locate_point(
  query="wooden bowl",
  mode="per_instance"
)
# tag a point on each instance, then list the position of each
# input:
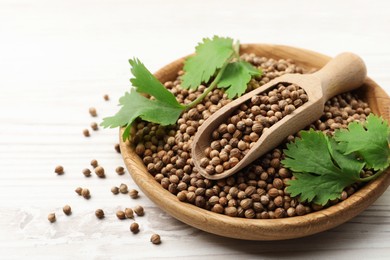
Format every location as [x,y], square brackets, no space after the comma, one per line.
[264,229]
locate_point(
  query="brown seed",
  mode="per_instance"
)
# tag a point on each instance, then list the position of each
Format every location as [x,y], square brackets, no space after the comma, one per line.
[86,194]
[115,190]
[94,163]
[78,190]
[92,111]
[106,97]
[59,170]
[86,133]
[231,211]
[52,217]
[99,170]
[67,210]
[117,148]
[87,172]
[123,188]
[134,227]
[120,170]
[120,215]
[94,126]
[129,213]
[155,239]
[182,196]
[99,213]
[133,194]
[139,210]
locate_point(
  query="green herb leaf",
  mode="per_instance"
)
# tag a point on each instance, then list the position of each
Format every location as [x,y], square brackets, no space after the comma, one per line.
[209,56]
[369,141]
[236,77]
[146,82]
[135,105]
[321,171]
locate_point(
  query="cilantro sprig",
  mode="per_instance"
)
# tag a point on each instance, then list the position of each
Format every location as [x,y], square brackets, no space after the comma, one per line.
[323,166]
[216,60]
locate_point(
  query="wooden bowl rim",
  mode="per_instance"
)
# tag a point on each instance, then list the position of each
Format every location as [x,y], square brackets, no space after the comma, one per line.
[255,229]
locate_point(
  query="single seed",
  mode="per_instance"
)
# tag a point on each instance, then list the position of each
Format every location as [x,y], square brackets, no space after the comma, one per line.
[117,148]
[78,190]
[86,133]
[129,213]
[133,194]
[120,170]
[134,227]
[155,239]
[139,210]
[94,163]
[59,170]
[115,190]
[86,194]
[67,210]
[120,215]
[52,217]
[99,213]
[94,126]
[87,172]
[106,97]
[92,111]
[123,188]
[99,170]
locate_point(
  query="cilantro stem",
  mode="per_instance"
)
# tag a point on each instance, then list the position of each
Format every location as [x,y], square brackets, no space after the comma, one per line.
[372,177]
[212,86]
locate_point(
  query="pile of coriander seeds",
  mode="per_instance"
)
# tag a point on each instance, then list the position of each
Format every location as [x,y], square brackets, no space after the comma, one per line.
[257,191]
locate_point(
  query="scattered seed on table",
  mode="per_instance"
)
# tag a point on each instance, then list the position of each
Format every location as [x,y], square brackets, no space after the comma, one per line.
[99,213]
[67,210]
[59,170]
[139,210]
[94,163]
[92,111]
[87,172]
[78,190]
[120,170]
[120,214]
[99,170]
[86,133]
[117,148]
[52,217]
[94,126]
[133,194]
[86,194]
[129,213]
[115,190]
[134,227]
[106,97]
[123,188]
[155,239]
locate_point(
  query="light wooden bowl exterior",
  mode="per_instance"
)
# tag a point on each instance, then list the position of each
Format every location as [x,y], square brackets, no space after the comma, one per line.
[264,229]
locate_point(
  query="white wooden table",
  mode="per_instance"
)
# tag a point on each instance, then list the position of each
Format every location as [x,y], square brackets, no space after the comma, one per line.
[58,58]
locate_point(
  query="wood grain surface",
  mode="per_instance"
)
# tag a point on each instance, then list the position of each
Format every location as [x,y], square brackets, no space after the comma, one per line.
[58,58]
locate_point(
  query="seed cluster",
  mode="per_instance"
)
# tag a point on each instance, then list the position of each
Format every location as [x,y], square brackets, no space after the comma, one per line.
[234,138]
[259,190]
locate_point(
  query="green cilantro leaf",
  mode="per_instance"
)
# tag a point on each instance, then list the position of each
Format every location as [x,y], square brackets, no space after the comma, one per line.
[145,82]
[321,171]
[209,56]
[369,141]
[135,105]
[236,77]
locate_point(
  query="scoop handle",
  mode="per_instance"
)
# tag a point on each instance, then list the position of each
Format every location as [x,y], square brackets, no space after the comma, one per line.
[345,72]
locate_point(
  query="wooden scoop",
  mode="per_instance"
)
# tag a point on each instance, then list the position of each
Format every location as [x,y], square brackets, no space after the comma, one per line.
[345,72]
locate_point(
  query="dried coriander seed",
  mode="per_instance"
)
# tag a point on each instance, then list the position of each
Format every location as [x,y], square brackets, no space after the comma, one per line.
[94,163]
[59,170]
[78,190]
[106,97]
[99,170]
[134,227]
[115,190]
[155,239]
[52,217]
[120,215]
[85,193]
[87,172]
[92,111]
[86,133]
[94,126]
[67,210]
[123,188]
[139,210]
[99,213]
[129,213]
[117,148]
[133,193]
[120,170]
